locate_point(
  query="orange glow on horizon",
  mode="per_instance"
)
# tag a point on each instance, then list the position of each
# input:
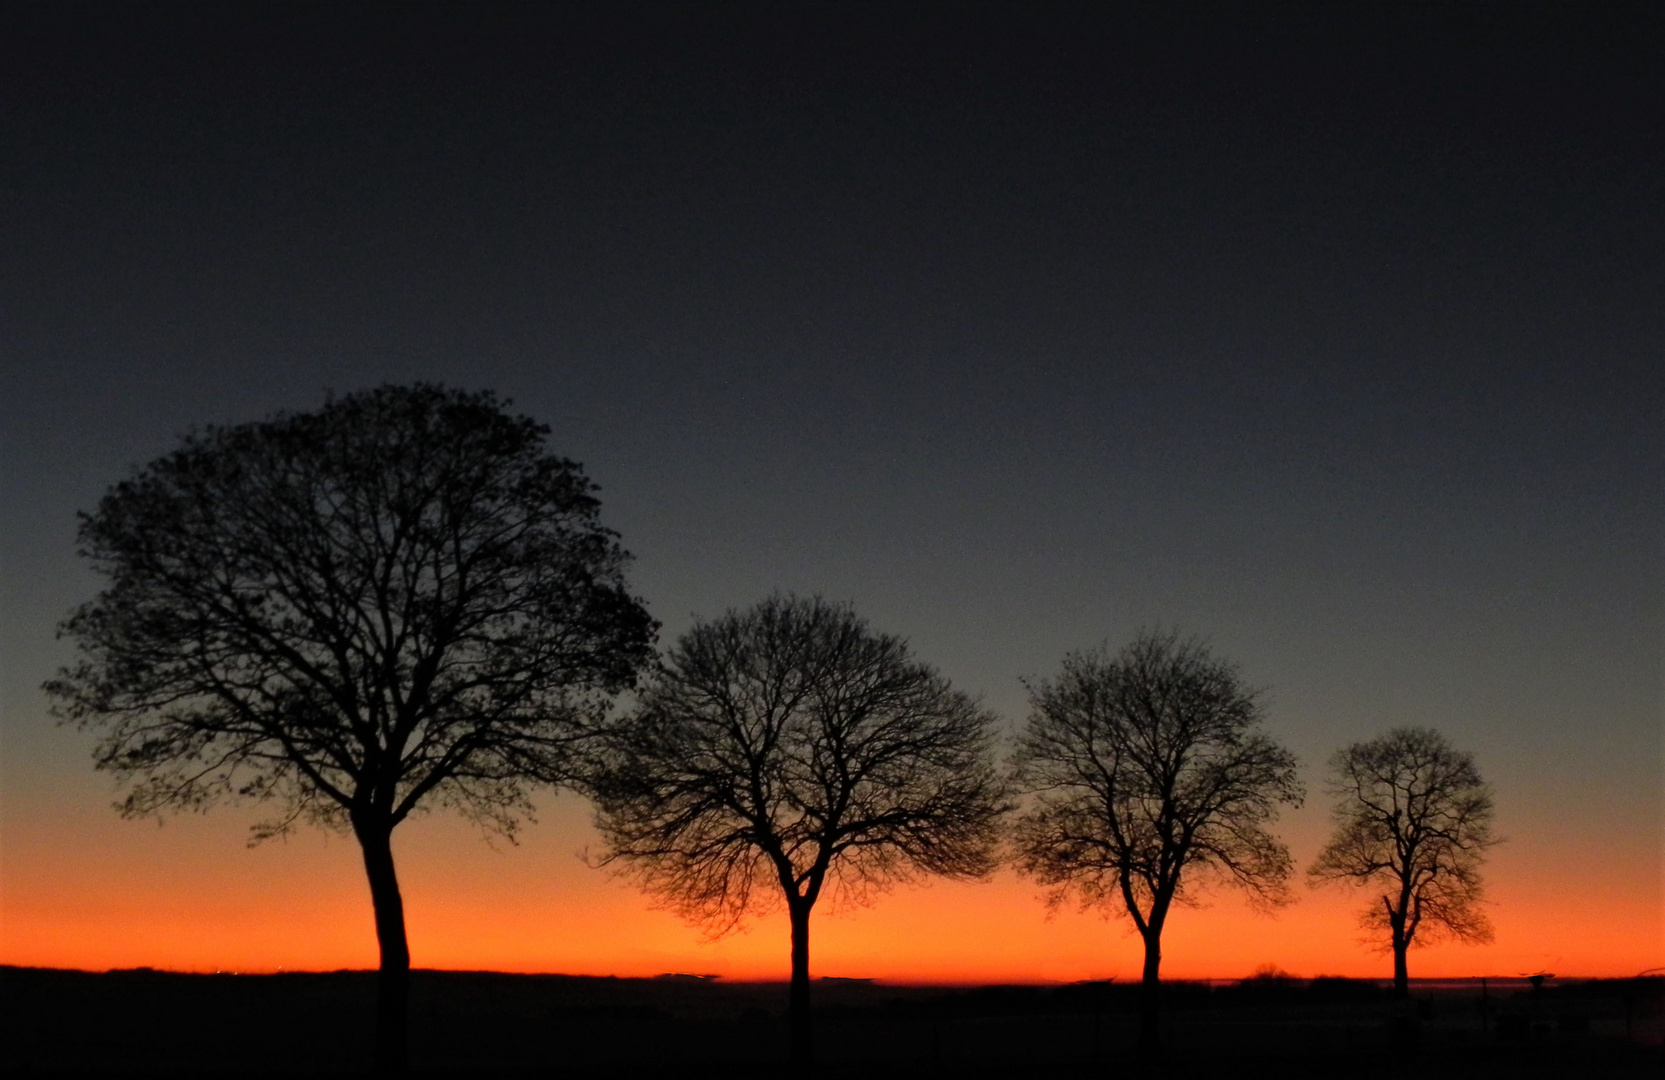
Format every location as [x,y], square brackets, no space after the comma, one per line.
[190,896]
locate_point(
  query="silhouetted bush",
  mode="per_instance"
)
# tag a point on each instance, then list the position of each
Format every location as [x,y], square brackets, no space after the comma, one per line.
[1268,983]
[1341,988]
[1104,995]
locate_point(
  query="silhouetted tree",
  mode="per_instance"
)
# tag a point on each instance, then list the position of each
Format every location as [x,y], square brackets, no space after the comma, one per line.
[1413,817]
[786,748]
[1146,770]
[400,599]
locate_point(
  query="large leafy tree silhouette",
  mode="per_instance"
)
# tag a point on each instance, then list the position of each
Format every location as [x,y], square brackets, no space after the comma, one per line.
[400,600]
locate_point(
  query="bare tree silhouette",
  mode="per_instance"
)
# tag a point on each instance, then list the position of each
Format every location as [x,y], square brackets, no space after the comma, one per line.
[398,600]
[787,748]
[1413,817]
[1147,771]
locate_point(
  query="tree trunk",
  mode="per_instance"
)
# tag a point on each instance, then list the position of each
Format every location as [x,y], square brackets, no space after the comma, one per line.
[1150,990]
[1401,926]
[802,1021]
[393,978]
[1401,973]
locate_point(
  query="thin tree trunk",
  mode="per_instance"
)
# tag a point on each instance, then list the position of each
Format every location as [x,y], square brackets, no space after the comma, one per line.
[393,978]
[1401,927]
[1150,990]
[802,1020]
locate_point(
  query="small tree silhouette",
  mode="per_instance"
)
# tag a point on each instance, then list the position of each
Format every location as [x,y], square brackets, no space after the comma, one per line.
[401,599]
[1413,817]
[787,748]
[1147,771]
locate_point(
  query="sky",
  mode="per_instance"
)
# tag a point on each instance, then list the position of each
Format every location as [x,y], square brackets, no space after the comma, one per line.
[1330,335]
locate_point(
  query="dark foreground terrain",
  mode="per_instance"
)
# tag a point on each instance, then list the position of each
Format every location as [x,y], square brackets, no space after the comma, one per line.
[64,1022]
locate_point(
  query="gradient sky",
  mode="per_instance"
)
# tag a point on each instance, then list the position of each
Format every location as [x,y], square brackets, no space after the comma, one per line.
[1334,338]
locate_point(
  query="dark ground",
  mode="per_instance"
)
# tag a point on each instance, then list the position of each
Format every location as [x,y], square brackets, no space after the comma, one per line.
[62,1022]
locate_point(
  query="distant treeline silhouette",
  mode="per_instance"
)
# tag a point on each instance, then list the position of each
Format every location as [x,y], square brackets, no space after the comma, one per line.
[404,599]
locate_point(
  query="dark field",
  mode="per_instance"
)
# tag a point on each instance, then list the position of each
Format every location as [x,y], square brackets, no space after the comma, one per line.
[58,1022]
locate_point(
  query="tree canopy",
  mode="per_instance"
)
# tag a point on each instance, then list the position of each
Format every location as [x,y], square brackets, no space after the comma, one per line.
[787,748]
[1147,773]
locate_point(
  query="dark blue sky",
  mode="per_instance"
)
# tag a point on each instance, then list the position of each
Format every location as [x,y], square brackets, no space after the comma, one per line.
[1330,333]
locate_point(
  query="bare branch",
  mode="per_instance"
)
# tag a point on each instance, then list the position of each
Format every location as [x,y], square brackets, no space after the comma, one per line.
[397,597]
[1412,816]
[791,742]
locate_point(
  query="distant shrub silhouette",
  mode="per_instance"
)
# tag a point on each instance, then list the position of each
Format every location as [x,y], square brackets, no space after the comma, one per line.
[1341,988]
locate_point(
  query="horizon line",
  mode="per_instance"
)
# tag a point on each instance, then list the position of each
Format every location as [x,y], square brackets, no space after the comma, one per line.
[871,981]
